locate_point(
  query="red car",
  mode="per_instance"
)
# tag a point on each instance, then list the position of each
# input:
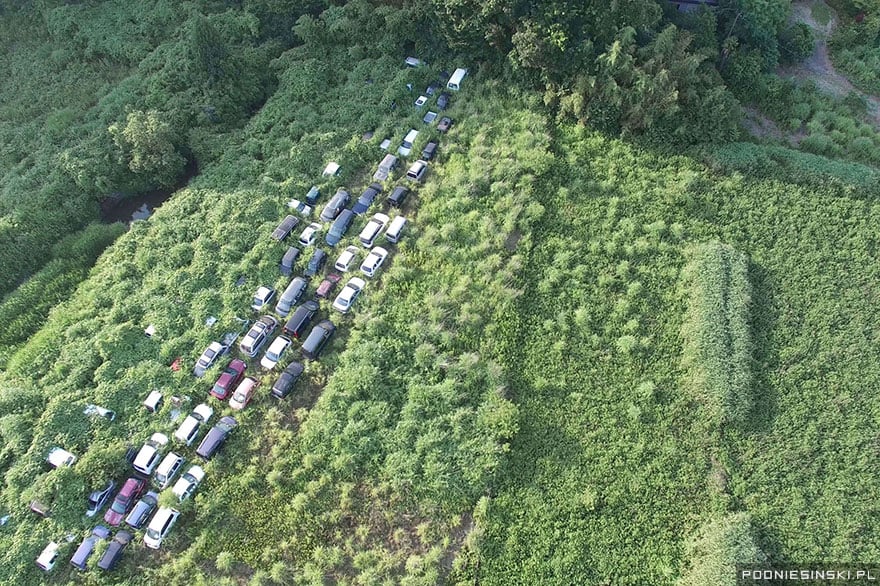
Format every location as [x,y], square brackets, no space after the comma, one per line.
[126,497]
[327,285]
[230,377]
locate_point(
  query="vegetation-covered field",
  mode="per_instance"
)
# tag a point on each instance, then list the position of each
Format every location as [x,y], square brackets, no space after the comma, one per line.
[589,360]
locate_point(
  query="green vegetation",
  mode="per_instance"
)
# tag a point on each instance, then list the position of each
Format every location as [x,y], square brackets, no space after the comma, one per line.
[717,548]
[515,397]
[854,45]
[22,312]
[717,354]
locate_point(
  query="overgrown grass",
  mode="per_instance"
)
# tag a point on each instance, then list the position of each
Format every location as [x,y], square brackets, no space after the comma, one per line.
[613,468]
[717,355]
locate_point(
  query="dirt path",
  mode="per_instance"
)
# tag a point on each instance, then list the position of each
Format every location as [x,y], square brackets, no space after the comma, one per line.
[818,67]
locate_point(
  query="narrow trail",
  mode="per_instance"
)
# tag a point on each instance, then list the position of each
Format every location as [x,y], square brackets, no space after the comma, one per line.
[818,67]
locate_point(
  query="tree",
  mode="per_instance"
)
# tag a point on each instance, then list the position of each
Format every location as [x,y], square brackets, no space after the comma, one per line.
[207,51]
[147,143]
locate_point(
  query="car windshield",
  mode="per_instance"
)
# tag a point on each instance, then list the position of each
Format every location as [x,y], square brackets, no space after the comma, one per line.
[120,504]
[239,397]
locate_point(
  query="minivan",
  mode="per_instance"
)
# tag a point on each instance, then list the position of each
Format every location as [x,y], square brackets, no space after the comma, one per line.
[85,549]
[189,429]
[429,151]
[339,227]
[142,509]
[288,260]
[215,438]
[395,229]
[408,141]
[150,453]
[114,550]
[167,470]
[417,171]
[388,164]
[317,339]
[300,319]
[454,82]
[372,229]
[398,196]
[290,296]
[335,205]
[159,527]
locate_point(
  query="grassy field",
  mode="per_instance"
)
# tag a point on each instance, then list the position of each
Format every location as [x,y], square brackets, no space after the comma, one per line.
[511,400]
[615,464]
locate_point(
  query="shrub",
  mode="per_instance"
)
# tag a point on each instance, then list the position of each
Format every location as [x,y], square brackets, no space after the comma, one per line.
[716,331]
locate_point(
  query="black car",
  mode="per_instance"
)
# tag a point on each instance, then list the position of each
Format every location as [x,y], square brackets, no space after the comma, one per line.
[429,151]
[287,380]
[339,227]
[317,339]
[319,257]
[114,550]
[300,319]
[443,101]
[432,89]
[284,228]
[288,260]
[335,205]
[216,437]
[398,196]
[142,510]
[366,199]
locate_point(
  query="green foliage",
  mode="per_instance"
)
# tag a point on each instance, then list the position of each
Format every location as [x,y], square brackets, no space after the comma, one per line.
[855,51]
[504,399]
[23,311]
[716,549]
[148,145]
[796,43]
[717,355]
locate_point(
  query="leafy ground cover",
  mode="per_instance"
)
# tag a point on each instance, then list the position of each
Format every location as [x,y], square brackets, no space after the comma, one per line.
[506,404]
[614,465]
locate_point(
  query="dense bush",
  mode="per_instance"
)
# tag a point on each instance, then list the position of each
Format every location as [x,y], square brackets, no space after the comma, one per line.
[717,355]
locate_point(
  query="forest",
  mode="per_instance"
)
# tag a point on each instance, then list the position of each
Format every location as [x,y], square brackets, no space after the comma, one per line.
[625,338]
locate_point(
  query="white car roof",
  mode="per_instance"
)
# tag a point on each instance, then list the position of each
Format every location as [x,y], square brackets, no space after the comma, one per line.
[47,554]
[60,456]
[205,410]
[196,472]
[380,218]
[159,438]
[262,293]
[278,343]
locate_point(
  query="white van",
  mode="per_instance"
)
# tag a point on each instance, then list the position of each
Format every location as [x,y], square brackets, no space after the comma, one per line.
[394,230]
[167,470]
[159,527]
[454,82]
[372,229]
[408,141]
[388,164]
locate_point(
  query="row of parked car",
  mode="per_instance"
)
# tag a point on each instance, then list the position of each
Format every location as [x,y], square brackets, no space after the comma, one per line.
[134,503]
